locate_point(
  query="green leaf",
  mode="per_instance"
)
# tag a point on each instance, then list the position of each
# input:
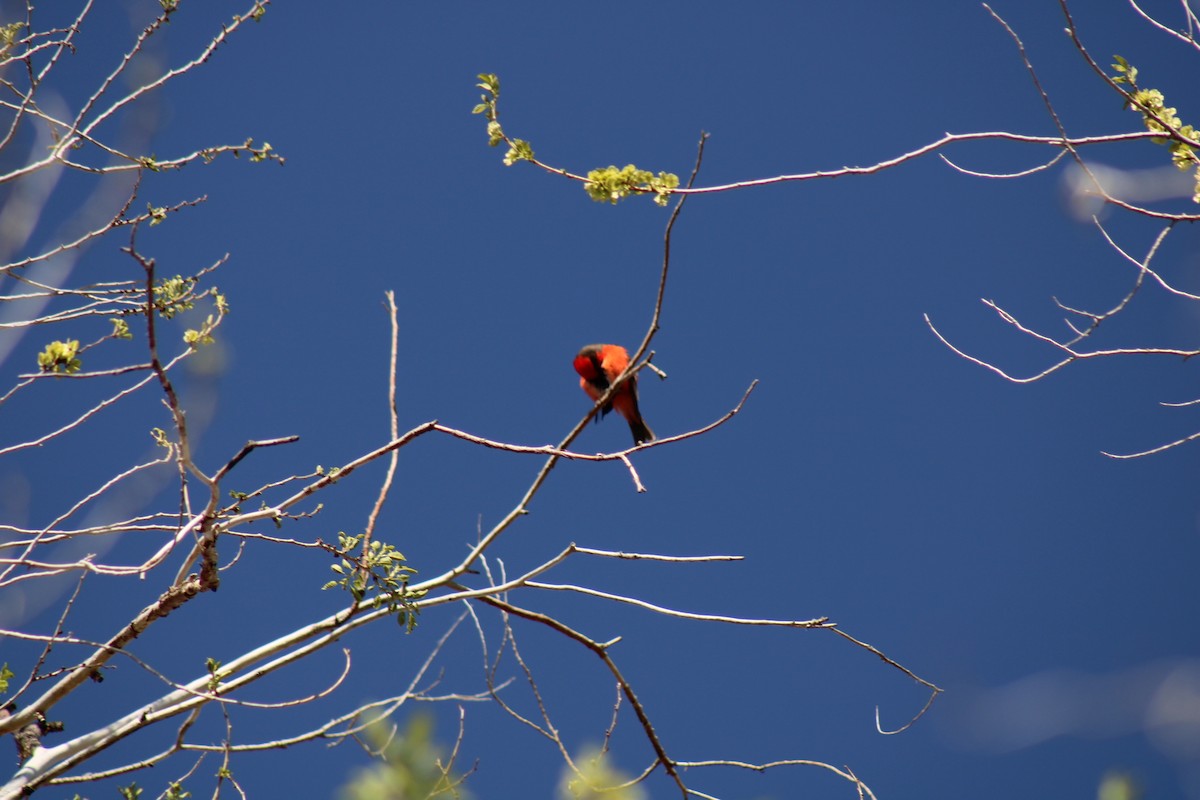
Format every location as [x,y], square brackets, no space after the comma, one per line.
[489,82]
[120,329]
[1127,74]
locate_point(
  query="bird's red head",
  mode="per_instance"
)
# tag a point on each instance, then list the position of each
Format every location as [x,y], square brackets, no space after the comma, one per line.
[588,363]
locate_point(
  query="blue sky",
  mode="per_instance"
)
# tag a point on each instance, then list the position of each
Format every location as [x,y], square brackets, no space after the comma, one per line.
[968,527]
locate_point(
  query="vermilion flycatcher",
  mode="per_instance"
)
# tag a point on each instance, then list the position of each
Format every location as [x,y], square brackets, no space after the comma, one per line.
[599,365]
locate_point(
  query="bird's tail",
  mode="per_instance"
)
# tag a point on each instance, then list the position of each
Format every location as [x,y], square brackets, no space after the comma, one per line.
[641,431]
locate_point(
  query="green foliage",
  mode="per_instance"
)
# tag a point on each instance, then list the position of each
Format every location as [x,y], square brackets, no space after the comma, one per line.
[1118,786]
[6,675]
[607,185]
[382,567]
[195,338]
[238,498]
[130,792]
[1182,140]
[9,35]
[597,780]
[491,93]
[265,152]
[495,134]
[175,791]
[120,329]
[257,154]
[412,768]
[612,184]
[1125,72]
[157,214]
[518,149]
[173,295]
[60,357]
[214,673]
[160,437]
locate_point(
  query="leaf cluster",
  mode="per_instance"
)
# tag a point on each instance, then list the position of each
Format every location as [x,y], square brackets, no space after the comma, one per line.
[173,295]
[597,779]
[60,357]
[518,149]
[611,184]
[607,185]
[411,764]
[195,337]
[383,567]
[9,35]
[1182,140]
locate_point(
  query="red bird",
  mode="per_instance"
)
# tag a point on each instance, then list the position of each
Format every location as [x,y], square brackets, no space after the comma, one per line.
[598,366]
